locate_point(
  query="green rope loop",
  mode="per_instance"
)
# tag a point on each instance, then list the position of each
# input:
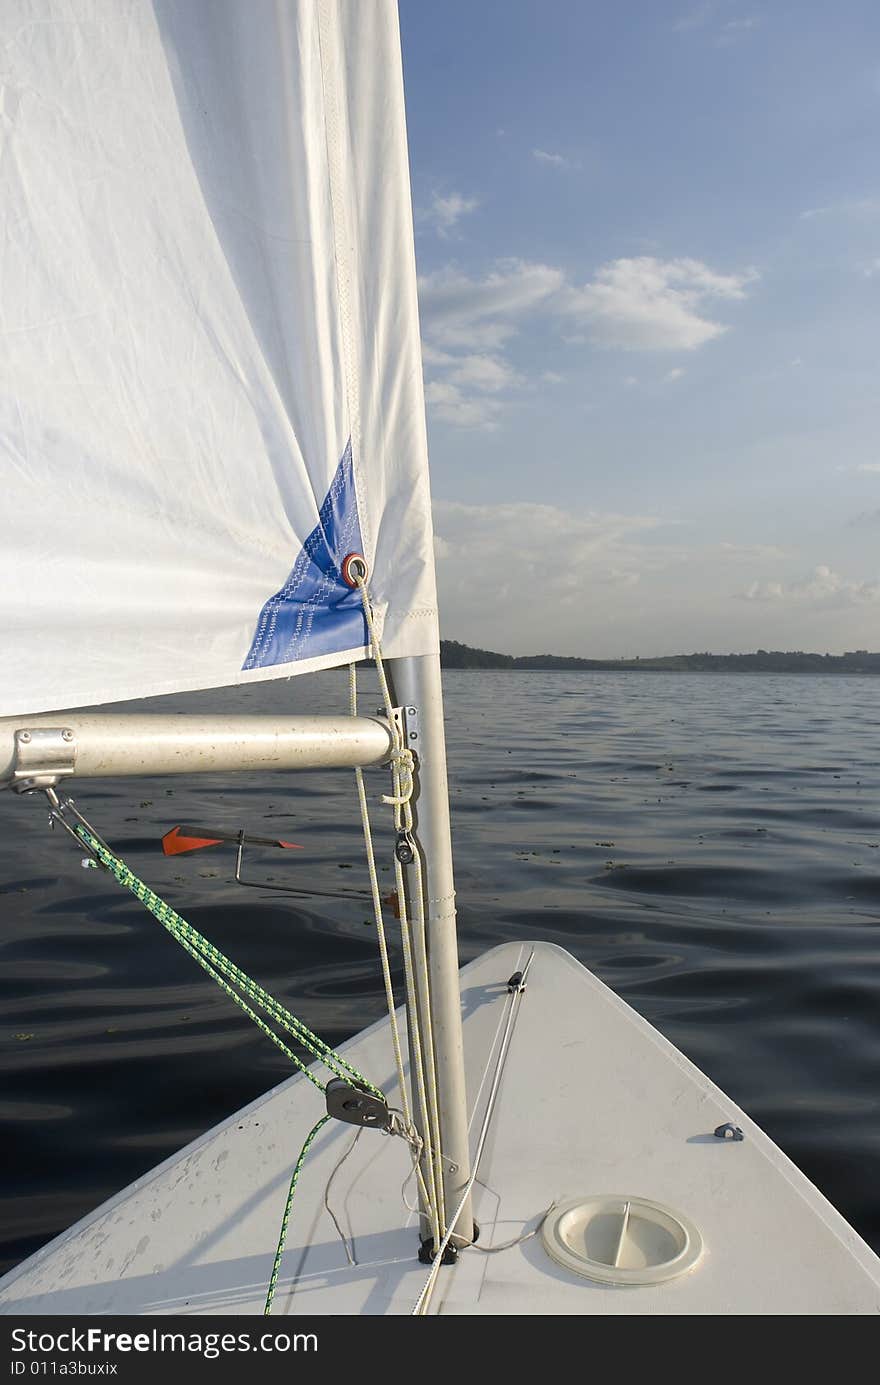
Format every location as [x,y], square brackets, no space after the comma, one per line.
[223,971]
[276,1266]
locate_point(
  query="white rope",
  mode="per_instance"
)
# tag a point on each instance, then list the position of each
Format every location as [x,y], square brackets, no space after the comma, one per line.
[377,910]
[417,1147]
[416,974]
[422,1302]
[349,1254]
[428,1194]
[402,769]
[516,1240]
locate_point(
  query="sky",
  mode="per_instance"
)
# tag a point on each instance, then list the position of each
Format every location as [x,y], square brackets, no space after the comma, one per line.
[648,244]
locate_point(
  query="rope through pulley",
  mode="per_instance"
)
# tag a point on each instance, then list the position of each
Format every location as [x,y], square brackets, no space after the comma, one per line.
[241,989]
[413,931]
[356,1098]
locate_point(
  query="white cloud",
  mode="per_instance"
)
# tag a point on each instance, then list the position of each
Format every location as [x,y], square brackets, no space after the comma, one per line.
[646,304]
[723,34]
[549,578]
[822,587]
[485,373]
[433,356]
[457,392]
[445,213]
[537,554]
[458,311]
[862,206]
[449,403]
[634,304]
[696,18]
[465,323]
[736,29]
[546,578]
[871,468]
[761,552]
[556,160]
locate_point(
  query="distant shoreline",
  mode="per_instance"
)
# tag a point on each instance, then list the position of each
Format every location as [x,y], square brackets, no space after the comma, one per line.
[454,655]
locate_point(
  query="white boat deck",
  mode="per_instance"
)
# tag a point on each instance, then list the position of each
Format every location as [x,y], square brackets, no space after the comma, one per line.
[592,1101]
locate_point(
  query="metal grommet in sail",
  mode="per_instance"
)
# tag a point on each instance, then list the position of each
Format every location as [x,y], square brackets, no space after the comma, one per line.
[354,567]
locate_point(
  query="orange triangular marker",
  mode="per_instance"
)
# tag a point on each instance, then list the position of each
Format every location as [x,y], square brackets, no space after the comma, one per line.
[174,842]
[181,839]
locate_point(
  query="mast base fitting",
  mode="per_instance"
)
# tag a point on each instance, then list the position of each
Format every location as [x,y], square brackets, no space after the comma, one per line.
[426,1253]
[353,1105]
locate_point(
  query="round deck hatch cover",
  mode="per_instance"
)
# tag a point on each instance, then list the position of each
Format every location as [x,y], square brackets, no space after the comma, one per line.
[621,1240]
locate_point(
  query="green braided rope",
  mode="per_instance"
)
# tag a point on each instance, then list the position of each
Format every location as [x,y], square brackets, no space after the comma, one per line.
[276,1266]
[222,971]
[217,965]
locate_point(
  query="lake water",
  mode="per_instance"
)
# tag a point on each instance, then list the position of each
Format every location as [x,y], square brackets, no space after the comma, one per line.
[709,845]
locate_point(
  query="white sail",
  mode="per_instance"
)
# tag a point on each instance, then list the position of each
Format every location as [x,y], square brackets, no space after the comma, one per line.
[210,375]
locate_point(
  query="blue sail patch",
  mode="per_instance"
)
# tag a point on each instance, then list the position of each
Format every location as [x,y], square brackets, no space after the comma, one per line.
[316,612]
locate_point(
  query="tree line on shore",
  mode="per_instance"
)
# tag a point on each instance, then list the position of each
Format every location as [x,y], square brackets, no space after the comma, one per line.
[456,655]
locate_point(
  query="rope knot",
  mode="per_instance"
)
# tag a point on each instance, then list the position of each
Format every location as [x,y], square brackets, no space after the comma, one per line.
[403,766]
